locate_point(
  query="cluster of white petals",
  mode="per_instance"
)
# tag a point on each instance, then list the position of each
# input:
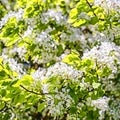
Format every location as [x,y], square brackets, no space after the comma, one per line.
[52,15]
[101,103]
[48,44]
[14,65]
[105,54]
[60,69]
[110,4]
[11,14]
[28,32]
[21,51]
[74,34]
[65,101]
[64,71]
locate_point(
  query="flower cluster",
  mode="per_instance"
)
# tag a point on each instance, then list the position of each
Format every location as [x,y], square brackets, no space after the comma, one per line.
[42,82]
[48,44]
[106,54]
[14,66]
[65,101]
[20,51]
[28,32]
[52,15]
[60,69]
[108,4]
[11,14]
[102,104]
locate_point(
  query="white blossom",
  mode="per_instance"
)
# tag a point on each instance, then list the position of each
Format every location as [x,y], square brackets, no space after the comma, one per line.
[65,101]
[64,70]
[28,32]
[39,74]
[20,50]
[101,103]
[14,66]
[51,14]
[60,69]
[105,54]
[74,34]
[108,4]
[11,14]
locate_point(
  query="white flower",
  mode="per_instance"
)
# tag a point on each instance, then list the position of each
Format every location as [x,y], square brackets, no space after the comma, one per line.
[63,70]
[28,32]
[11,14]
[60,69]
[101,103]
[20,50]
[39,74]
[14,66]
[45,88]
[108,4]
[51,14]
[105,54]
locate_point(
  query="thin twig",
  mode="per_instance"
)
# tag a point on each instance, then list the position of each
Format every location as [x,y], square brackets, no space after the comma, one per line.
[30,91]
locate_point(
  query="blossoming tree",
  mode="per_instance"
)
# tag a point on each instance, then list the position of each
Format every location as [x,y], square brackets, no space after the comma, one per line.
[59,60]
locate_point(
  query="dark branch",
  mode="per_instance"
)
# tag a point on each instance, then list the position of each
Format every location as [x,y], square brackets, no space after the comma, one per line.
[31,91]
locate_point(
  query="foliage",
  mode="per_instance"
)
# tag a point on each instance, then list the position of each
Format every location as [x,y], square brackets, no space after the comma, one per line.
[60,59]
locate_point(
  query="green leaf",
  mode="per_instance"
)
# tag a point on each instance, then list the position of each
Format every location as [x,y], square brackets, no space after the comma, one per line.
[104,72]
[73,13]
[41,107]
[12,41]
[80,23]
[94,20]
[2,105]
[29,9]
[72,59]
[3,92]
[2,73]
[60,50]
[96,85]
[19,99]
[1,60]
[26,80]
[73,110]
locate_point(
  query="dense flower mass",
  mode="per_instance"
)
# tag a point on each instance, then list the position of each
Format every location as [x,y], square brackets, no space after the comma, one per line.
[60,60]
[105,54]
[110,4]
[52,15]
[11,14]
[101,103]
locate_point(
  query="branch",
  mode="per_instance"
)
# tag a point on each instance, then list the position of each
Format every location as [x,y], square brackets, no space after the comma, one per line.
[31,91]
